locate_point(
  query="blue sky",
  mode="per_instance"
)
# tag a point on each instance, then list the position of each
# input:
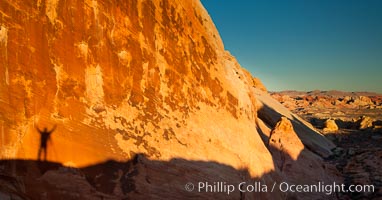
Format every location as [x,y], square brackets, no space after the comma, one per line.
[304,44]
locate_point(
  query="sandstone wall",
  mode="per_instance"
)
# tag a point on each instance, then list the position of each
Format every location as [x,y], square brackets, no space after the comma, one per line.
[121,78]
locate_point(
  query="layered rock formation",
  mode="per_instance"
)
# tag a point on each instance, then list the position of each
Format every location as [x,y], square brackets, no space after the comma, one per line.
[295,100]
[121,78]
[350,110]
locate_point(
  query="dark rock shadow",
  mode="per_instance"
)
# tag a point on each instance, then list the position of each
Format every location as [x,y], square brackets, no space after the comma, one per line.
[142,178]
[346,124]
[138,178]
[377,123]
[358,158]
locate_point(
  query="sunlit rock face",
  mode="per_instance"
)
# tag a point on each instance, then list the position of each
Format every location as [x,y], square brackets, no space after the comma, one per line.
[121,78]
[135,75]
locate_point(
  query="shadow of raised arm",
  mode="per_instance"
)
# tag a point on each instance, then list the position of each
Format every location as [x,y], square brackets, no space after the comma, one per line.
[39,130]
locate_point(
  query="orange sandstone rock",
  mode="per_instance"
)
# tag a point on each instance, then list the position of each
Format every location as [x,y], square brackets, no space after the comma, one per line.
[121,78]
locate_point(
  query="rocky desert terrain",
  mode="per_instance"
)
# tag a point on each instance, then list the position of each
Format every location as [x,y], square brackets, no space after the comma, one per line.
[353,121]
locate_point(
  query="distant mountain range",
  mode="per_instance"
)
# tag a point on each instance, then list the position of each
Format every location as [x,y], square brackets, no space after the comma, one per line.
[334,93]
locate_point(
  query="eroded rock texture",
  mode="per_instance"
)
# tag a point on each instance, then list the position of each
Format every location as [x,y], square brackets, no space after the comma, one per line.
[121,78]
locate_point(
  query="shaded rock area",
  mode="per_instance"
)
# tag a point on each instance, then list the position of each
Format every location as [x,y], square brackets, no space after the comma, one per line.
[353,122]
[358,158]
[137,179]
[134,179]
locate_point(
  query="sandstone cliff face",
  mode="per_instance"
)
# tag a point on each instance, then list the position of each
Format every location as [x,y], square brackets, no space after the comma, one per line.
[140,70]
[121,78]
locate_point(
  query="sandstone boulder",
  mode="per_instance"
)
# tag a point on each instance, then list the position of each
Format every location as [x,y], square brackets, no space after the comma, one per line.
[330,126]
[292,159]
[365,122]
[284,139]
